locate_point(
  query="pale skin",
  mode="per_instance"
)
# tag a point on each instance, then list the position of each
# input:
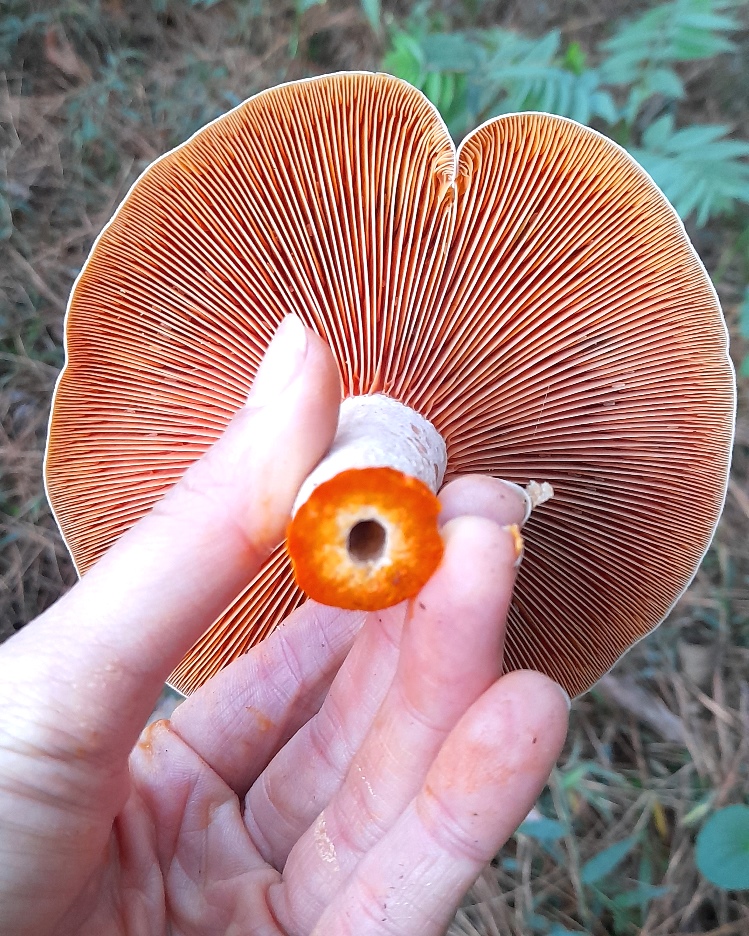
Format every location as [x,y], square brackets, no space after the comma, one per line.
[352,775]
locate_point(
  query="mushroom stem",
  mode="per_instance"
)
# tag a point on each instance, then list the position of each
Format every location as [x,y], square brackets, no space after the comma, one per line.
[364,532]
[376,431]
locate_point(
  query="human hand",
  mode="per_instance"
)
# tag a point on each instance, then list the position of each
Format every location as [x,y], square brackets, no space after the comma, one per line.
[352,774]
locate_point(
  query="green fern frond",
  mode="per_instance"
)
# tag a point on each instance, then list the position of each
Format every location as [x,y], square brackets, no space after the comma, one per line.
[445,88]
[699,170]
[744,315]
[680,31]
[477,74]
[531,76]
[405,59]
[497,72]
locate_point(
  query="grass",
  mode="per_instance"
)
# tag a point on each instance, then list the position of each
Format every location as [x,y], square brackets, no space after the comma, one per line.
[90,93]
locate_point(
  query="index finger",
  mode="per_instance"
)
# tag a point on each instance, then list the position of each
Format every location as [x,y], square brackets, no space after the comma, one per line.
[118,634]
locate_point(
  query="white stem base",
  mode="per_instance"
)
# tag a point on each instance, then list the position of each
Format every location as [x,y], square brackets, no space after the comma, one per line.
[376,431]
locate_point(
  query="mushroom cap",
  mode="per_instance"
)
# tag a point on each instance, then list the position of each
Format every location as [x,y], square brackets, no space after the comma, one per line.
[535,297]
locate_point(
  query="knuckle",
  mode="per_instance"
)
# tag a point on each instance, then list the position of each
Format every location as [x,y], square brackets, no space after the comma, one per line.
[449,832]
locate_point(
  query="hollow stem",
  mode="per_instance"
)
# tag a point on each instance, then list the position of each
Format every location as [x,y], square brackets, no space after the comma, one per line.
[364,533]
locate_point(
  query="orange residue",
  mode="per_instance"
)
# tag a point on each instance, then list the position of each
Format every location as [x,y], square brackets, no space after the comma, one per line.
[517,539]
[145,742]
[261,719]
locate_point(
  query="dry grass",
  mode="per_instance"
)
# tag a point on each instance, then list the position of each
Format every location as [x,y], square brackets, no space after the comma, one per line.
[87,99]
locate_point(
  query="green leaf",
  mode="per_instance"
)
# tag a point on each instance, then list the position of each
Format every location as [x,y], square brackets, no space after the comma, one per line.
[452,52]
[664,81]
[543,829]
[659,133]
[744,315]
[524,74]
[602,105]
[683,30]
[709,22]
[572,779]
[373,12]
[405,59]
[722,852]
[433,64]
[640,896]
[606,861]
[697,168]
[574,58]
[434,88]
[13,28]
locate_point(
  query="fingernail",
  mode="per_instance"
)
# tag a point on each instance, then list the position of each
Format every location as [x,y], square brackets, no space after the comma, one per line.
[565,695]
[517,542]
[282,362]
[523,496]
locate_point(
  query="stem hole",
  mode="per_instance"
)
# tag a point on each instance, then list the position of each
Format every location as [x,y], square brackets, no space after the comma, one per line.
[366,541]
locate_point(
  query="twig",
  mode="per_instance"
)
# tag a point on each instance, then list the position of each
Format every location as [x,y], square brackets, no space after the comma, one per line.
[28,269]
[741,498]
[646,707]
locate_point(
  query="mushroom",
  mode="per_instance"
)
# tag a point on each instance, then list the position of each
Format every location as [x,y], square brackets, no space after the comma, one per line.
[530,308]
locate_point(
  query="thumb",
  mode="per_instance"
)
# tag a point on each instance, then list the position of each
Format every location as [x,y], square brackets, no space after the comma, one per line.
[118,634]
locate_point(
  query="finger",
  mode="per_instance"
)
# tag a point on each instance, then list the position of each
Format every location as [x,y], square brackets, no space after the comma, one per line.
[318,757]
[180,840]
[485,779]
[181,795]
[451,653]
[481,496]
[241,717]
[261,691]
[119,632]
